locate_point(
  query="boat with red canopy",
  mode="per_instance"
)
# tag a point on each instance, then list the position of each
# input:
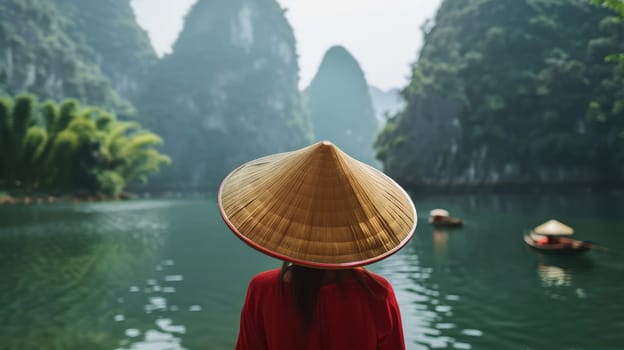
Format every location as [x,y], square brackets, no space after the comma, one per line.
[549,237]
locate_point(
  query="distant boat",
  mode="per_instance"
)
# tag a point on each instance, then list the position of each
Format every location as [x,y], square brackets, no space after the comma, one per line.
[441,217]
[547,237]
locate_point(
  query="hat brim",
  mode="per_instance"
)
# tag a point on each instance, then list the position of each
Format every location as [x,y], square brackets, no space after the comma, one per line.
[396,215]
[308,263]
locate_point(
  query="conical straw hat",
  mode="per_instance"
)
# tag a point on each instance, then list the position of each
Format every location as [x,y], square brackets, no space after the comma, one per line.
[553,228]
[317,207]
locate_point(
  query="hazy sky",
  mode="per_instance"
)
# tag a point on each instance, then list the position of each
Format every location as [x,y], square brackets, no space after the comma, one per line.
[383,35]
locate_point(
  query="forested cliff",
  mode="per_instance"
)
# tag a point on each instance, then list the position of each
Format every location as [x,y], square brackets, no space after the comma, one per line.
[120,47]
[228,92]
[512,91]
[68,48]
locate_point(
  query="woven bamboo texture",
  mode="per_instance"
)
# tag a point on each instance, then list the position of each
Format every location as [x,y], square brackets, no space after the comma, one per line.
[317,206]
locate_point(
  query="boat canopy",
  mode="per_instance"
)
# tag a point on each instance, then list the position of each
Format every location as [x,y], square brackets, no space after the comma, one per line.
[439,212]
[553,228]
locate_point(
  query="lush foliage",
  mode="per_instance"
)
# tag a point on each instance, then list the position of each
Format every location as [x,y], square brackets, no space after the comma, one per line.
[228,92]
[512,90]
[340,105]
[65,146]
[615,5]
[618,7]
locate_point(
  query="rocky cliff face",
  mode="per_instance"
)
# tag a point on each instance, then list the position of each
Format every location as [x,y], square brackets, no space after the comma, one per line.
[385,102]
[340,105]
[69,48]
[228,92]
[511,92]
[119,46]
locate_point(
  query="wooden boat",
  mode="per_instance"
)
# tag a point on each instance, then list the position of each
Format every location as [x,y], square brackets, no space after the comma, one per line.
[548,237]
[447,222]
[562,245]
[441,218]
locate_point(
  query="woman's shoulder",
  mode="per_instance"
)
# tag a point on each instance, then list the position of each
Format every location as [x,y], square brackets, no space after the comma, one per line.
[369,274]
[377,283]
[379,278]
[265,278]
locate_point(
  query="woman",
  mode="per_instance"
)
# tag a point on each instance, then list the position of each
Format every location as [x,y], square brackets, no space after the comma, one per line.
[325,215]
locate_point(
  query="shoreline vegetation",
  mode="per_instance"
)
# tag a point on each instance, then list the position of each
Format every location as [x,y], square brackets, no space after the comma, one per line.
[31,198]
[518,188]
[613,187]
[42,198]
[69,148]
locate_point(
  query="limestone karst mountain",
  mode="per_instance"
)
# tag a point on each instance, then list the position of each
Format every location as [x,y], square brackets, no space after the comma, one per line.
[385,102]
[515,92]
[229,90]
[341,109]
[85,49]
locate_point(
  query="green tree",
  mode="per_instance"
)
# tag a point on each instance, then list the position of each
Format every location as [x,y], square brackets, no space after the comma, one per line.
[127,153]
[73,148]
[618,7]
[6,125]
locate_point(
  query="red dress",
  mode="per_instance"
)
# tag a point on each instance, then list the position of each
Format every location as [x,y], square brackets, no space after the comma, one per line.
[348,316]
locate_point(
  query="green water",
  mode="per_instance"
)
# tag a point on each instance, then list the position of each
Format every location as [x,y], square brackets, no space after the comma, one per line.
[167,274]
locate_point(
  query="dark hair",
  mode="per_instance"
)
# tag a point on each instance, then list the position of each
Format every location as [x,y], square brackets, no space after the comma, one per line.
[306,283]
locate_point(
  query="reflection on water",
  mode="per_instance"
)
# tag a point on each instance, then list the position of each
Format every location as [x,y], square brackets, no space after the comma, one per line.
[169,275]
[153,340]
[553,276]
[429,316]
[160,331]
[439,244]
[477,288]
[558,280]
